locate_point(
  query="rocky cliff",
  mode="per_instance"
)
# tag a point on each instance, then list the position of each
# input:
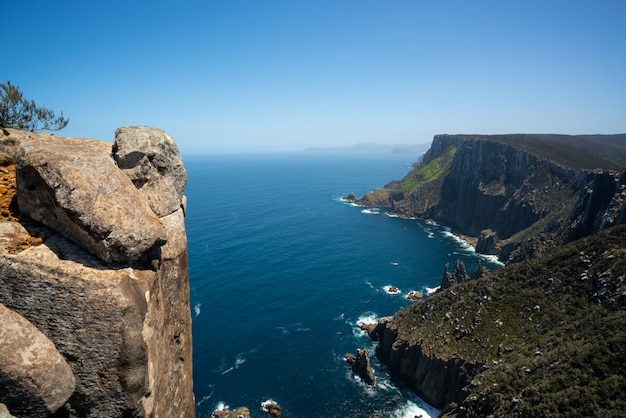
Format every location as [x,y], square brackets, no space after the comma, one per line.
[519,195]
[543,337]
[94,290]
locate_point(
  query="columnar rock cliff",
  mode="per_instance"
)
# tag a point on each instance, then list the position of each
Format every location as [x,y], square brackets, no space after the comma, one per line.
[542,336]
[507,190]
[93,262]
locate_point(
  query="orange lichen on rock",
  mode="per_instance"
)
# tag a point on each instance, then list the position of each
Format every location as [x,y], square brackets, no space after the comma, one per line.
[9,212]
[7,193]
[22,243]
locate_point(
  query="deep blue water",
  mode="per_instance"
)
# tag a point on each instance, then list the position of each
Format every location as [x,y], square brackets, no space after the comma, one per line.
[282,271]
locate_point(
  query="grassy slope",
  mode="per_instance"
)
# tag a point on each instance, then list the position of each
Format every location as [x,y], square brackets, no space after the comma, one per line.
[551,332]
[430,171]
[577,152]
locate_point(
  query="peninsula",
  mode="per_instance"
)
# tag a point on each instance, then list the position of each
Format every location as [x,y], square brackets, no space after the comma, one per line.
[544,335]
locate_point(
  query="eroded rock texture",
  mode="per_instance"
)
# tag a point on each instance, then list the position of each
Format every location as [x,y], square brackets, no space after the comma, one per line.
[34,377]
[73,186]
[101,276]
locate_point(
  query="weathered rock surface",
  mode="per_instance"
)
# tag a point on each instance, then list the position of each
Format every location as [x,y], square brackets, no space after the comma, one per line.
[272,408]
[241,412]
[512,343]
[73,186]
[376,331]
[509,189]
[121,318]
[438,379]
[150,158]
[4,412]
[360,365]
[415,295]
[459,275]
[35,379]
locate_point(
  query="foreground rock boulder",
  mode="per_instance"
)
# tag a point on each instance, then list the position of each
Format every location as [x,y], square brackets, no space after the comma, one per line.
[150,158]
[35,379]
[91,266]
[73,186]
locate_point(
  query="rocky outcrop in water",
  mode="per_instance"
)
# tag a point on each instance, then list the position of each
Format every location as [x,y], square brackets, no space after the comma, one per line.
[85,259]
[513,342]
[360,365]
[241,412]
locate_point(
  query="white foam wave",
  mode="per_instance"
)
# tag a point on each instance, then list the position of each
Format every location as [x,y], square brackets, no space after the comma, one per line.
[221,406]
[412,409]
[367,318]
[431,290]
[265,405]
[469,248]
[491,258]
[371,211]
[393,215]
[239,360]
[207,397]
[196,309]
[462,243]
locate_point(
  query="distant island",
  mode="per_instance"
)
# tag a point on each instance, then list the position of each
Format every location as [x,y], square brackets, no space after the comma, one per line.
[373,147]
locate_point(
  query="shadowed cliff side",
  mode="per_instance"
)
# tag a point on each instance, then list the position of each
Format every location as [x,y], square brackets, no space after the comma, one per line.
[520,195]
[536,338]
[93,253]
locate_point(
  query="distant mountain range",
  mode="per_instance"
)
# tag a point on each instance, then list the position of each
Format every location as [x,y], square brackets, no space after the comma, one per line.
[373,147]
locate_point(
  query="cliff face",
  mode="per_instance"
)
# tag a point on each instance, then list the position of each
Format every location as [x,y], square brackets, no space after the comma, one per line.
[524,340]
[93,254]
[537,338]
[436,378]
[508,189]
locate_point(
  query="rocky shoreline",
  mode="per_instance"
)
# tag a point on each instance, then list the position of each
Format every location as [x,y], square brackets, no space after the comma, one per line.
[457,349]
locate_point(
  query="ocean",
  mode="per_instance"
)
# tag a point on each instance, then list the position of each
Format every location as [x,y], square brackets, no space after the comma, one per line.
[283,272]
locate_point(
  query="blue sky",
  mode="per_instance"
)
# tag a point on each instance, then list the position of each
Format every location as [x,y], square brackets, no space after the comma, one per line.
[267,75]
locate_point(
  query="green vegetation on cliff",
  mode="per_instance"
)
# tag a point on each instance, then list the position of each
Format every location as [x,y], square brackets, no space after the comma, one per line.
[550,332]
[574,151]
[378,197]
[430,171]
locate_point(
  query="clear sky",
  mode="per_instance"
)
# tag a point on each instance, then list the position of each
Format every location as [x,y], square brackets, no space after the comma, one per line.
[265,75]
